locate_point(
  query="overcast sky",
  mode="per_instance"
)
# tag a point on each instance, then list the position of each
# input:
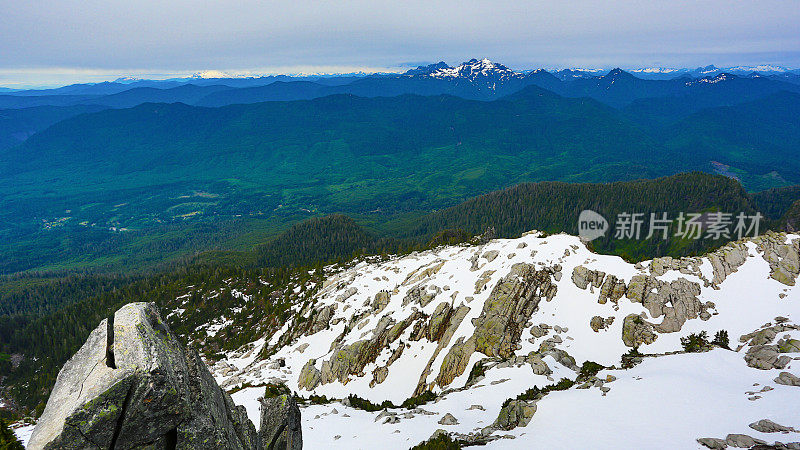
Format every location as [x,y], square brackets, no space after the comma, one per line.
[69,40]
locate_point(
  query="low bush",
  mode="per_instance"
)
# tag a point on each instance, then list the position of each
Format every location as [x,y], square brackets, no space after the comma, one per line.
[589,369]
[362,403]
[419,400]
[440,442]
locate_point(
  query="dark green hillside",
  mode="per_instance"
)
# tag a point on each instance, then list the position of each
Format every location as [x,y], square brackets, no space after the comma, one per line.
[131,188]
[760,139]
[791,220]
[16,125]
[48,318]
[776,202]
[335,238]
[554,207]
[157,168]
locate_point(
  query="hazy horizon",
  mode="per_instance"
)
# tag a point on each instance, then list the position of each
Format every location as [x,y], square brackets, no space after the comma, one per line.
[58,77]
[92,40]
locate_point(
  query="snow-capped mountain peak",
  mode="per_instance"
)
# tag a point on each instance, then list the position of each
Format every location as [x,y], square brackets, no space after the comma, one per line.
[474,70]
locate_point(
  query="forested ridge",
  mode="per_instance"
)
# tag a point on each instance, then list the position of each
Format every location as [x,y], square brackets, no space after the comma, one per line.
[45,318]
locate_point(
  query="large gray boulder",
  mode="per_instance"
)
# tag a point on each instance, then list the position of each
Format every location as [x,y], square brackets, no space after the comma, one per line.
[132,385]
[637,331]
[517,413]
[280,423]
[766,357]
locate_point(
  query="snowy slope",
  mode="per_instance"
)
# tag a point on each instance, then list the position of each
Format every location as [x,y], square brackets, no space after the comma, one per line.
[665,402]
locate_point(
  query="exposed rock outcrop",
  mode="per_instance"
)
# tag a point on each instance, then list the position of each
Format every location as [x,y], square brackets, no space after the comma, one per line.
[766,357]
[455,361]
[713,443]
[419,295]
[742,441]
[676,301]
[612,289]
[280,423]
[768,426]
[310,376]
[133,385]
[787,379]
[510,305]
[727,260]
[637,331]
[381,301]
[583,277]
[322,318]
[448,419]
[789,345]
[783,257]
[598,323]
[517,413]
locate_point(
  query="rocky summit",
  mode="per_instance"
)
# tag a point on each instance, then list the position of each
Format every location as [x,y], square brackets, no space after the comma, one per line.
[532,342]
[134,386]
[539,342]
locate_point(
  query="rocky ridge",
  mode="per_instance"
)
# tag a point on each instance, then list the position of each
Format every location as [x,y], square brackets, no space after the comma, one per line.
[500,317]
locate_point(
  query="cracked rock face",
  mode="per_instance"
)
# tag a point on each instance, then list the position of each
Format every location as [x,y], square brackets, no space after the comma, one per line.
[510,305]
[280,424]
[133,385]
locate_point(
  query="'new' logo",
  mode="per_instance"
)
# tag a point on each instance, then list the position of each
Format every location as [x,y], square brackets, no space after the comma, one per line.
[591,225]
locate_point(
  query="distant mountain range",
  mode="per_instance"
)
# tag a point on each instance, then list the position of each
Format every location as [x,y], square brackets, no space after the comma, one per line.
[82,163]
[685,93]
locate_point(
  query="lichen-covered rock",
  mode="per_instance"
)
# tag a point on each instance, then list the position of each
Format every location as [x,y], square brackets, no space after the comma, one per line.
[517,413]
[583,277]
[322,319]
[351,359]
[418,295]
[448,419]
[561,357]
[491,255]
[424,272]
[509,306]
[787,379]
[783,258]
[447,372]
[538,331]
[280,424]
[538,365]
[456,360]
[309,375]
[765,357]
[727,260]
[439,321]
[133,385]
[598,323]
[676,301]
[636,331]
[789,346]
[483,280]
[612,289]
[380,301]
